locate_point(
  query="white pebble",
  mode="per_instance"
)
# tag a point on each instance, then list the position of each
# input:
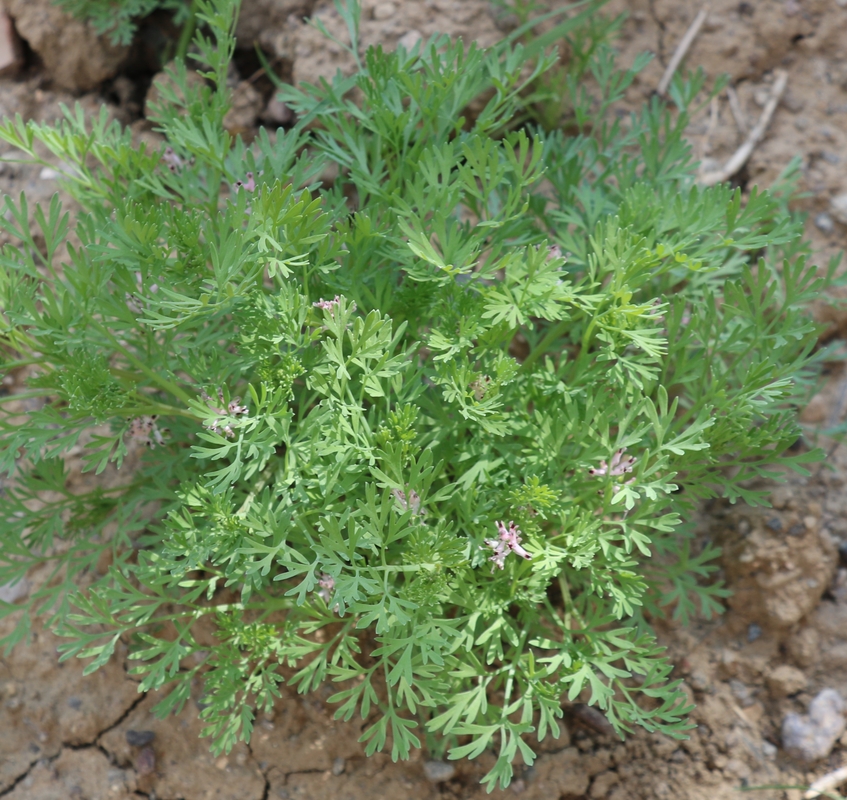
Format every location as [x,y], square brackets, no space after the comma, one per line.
[384,10]
[409,40]
[838,207]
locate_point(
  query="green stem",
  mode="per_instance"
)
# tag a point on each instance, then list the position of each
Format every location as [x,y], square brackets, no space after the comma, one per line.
[187,33]
[167,385]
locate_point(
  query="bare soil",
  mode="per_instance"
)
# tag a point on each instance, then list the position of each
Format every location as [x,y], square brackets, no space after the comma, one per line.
[784,637]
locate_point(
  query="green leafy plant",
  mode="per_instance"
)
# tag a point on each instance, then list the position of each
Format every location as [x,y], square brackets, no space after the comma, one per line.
[429,432]
[120,19]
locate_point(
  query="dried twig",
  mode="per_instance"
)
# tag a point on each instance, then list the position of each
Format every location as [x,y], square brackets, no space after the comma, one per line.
[682,49]
[739,158]
[737,111]
[827,783]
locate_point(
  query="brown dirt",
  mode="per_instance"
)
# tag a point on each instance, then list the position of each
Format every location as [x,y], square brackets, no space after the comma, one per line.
[785,636]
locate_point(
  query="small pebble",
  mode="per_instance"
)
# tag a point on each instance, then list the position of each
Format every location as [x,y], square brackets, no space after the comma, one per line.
[75,703]
[438,771]
[838,207]
[384,10]
[338,766]
[769,750]
[811,737]
[140,738]
[145,764]
[698,681]
[48,174]
[278,112]
[742,693]
[801,123]
[824,222]
[408,40]
[12,592]
[754,631]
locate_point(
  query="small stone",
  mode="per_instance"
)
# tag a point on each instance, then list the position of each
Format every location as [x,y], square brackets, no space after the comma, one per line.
[754,631]
[824,222]
[811,737]
[438,771]
[222,763]
[139,738]
[793,102]
[742,693]
[277,112]
[338,766]
[785,680]
[838,207]
[384,10]
[408,40]
[769,750]
[801,123]
[12,592]
[48,174]
[804,647]
[75,703]
[698,681]
[145,764]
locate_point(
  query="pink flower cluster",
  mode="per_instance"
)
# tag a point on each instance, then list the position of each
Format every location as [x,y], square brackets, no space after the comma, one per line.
[249,185]
[174,162]
[327,584]
[408,500]
[327,305]
[145,430]
[233,409]
[509,541]
[618,466]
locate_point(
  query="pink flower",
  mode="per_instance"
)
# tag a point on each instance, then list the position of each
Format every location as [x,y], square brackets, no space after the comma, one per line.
[174,162]
[509,541]
[408,500]
[618,466]
[144,430]
[249,185]
[327,584]
[233,409]
[327,305]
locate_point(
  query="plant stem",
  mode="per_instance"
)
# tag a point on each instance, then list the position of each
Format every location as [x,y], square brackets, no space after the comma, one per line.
[187,33]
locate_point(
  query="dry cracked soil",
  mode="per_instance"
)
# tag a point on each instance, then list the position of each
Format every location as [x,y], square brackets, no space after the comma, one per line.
[783,639]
